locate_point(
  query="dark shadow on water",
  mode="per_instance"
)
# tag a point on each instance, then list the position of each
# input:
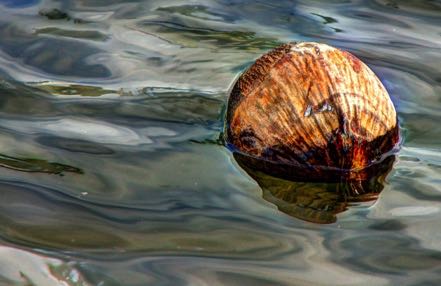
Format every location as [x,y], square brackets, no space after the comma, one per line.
[318,202]
[36,165]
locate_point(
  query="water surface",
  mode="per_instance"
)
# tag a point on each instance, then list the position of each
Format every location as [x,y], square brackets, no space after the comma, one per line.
[111,173]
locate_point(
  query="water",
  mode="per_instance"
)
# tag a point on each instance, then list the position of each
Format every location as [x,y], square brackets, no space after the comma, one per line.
[111,173]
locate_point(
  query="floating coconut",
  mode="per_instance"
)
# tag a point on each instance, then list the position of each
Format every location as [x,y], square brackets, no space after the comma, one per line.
[311,112]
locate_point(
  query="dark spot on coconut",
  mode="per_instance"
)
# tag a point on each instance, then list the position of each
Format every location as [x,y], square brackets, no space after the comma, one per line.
[247,138]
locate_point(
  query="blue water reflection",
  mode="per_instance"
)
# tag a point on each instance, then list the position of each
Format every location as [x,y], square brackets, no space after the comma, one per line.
[19,3]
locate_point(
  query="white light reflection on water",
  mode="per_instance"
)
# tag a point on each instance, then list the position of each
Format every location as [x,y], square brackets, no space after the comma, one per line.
[19,267]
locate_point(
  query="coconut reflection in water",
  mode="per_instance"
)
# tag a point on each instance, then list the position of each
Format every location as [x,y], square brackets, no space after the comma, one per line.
[316,201]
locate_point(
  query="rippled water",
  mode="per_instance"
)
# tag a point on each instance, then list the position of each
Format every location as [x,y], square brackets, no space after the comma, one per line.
[111,172]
